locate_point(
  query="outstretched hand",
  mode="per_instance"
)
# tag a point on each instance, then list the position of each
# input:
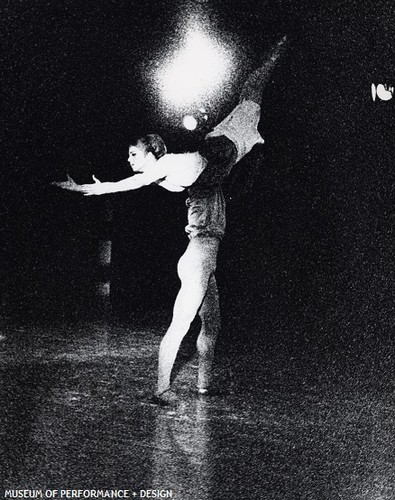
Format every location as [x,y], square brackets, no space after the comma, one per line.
[93,189]
[96,188]
[70,185]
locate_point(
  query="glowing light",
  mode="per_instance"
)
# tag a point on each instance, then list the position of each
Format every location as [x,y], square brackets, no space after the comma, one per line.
[383,92]
[190,122]
[198,68]
[374,92]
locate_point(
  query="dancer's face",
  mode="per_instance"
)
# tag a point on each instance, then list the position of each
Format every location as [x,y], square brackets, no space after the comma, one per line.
[137,158]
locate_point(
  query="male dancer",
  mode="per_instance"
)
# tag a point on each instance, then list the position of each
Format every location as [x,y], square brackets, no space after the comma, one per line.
[202,172]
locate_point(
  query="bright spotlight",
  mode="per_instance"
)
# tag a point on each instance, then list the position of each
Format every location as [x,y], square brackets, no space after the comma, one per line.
[195,70]
[190,122]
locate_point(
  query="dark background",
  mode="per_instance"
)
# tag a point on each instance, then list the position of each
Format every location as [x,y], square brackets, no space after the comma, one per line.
[309,252]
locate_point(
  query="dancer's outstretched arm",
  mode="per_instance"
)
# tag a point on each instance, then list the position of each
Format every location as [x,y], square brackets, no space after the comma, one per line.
[97,188]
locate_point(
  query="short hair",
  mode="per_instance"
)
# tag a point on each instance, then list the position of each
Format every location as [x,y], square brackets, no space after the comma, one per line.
[152,143]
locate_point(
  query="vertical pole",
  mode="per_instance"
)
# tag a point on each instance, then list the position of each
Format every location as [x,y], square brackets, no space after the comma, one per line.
[103,284]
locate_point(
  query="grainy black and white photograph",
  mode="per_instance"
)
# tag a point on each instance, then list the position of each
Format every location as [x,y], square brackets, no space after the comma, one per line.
[197,249]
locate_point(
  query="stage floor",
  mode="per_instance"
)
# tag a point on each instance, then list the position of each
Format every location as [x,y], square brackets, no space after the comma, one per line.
[294,424]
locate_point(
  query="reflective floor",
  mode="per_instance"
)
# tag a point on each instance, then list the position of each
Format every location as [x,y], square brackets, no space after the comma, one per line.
[295,424]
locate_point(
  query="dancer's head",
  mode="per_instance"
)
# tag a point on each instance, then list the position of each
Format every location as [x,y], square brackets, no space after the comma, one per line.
[146,149]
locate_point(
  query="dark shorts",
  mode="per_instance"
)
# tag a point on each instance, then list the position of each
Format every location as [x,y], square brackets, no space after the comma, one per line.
[221,154]
[206,202]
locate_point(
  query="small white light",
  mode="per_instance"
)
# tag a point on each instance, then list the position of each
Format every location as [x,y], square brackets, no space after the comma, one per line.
[190,122]
[384,93]
[374,92]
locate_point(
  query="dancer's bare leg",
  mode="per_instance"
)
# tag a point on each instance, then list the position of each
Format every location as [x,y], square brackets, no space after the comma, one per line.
[210,317]
[254,85]
[241,124]
[194,269]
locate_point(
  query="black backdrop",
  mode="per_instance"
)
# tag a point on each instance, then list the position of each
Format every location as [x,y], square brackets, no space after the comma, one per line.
[309,251]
